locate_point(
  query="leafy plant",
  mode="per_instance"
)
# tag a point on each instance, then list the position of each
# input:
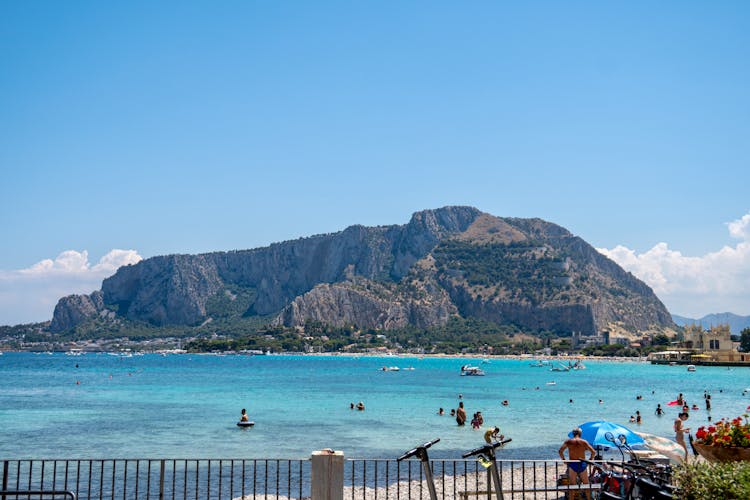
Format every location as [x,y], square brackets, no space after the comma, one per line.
[701,480]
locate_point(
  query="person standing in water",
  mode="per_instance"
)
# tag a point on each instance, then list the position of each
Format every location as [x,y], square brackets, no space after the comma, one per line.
[461,414]
[680,431]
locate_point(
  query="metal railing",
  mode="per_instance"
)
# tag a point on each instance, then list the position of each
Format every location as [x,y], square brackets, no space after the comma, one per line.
[185,479]
[459,479]
[275,479]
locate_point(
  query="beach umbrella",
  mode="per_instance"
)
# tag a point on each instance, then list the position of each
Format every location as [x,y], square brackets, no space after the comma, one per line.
[595,433]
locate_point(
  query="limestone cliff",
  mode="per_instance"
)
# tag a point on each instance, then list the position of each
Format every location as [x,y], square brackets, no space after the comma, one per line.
[73,309]
[453,260]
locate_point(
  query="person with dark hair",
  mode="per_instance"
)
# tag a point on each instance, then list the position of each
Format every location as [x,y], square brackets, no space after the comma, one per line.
[576,461]
[680,431]
[461,414]
[243,416]
[493,435]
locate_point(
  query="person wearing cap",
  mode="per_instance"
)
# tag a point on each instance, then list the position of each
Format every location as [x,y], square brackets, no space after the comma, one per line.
[577,448]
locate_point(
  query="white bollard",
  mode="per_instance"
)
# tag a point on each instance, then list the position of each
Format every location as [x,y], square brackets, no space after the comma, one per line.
[327,475]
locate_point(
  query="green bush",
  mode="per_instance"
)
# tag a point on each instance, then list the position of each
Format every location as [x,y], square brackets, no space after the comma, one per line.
[700,480]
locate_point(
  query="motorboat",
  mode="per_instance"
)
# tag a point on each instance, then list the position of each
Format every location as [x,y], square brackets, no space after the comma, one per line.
[471,371]
[691,368]
[560,368]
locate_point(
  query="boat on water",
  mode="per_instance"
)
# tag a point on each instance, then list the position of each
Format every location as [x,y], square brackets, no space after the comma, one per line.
[560,368]
[390,369]
[471,371]
[691,368]
[539,364]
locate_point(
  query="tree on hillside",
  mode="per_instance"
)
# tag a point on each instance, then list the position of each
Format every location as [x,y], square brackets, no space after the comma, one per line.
[745,340]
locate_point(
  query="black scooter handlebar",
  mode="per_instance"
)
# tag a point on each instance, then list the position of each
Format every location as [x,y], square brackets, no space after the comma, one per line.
[486,448]
[414,451]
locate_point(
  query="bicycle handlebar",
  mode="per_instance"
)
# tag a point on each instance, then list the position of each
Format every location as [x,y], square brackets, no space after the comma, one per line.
[486,448]
[414,451]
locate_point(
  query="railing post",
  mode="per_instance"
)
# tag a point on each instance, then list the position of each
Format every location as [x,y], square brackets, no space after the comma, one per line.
[327,475]
[161,480]
[5,476]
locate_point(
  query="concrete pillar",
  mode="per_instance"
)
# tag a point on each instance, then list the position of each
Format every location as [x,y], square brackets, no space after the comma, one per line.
[327,475]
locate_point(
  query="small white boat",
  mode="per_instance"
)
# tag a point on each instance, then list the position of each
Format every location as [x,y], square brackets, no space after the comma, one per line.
[691,368]
[471,371]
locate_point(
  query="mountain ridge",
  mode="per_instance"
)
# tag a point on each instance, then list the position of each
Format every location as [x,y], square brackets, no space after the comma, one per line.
[736,322]
[444,262]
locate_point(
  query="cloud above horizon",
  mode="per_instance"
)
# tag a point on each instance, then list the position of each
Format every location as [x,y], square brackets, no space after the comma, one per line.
[716,282]
[29,295]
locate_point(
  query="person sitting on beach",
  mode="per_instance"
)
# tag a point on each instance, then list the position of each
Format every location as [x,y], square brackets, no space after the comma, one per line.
[244,417]
[493,435]
[461,414]
[680,431]
[577,448]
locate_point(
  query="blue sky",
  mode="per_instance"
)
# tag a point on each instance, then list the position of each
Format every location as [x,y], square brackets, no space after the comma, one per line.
[134,129]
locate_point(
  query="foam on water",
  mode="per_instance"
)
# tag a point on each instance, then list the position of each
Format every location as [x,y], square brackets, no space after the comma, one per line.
[187,405]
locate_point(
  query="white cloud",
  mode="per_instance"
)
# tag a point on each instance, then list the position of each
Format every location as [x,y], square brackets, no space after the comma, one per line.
[29,295]
[716,282]
[740,228]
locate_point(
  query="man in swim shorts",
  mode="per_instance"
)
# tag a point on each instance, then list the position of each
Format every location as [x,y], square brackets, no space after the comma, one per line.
[577,447]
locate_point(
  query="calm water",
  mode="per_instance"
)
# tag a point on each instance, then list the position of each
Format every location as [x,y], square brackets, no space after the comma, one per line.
[186,406]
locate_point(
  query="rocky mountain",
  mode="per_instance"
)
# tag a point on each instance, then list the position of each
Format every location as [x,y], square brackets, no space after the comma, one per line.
[736,323]
[444,262]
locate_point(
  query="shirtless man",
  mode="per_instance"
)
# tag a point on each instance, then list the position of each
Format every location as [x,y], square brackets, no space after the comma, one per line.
[461,414]
[576,453]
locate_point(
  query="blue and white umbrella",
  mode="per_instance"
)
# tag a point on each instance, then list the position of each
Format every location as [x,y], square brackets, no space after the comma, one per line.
[595,433]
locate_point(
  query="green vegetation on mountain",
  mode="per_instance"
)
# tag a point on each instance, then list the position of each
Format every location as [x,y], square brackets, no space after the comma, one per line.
[451,279]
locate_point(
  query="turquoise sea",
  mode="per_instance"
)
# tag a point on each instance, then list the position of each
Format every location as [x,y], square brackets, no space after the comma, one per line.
[186,406]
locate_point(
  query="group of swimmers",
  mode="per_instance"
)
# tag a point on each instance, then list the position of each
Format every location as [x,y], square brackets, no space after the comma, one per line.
[359,406]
